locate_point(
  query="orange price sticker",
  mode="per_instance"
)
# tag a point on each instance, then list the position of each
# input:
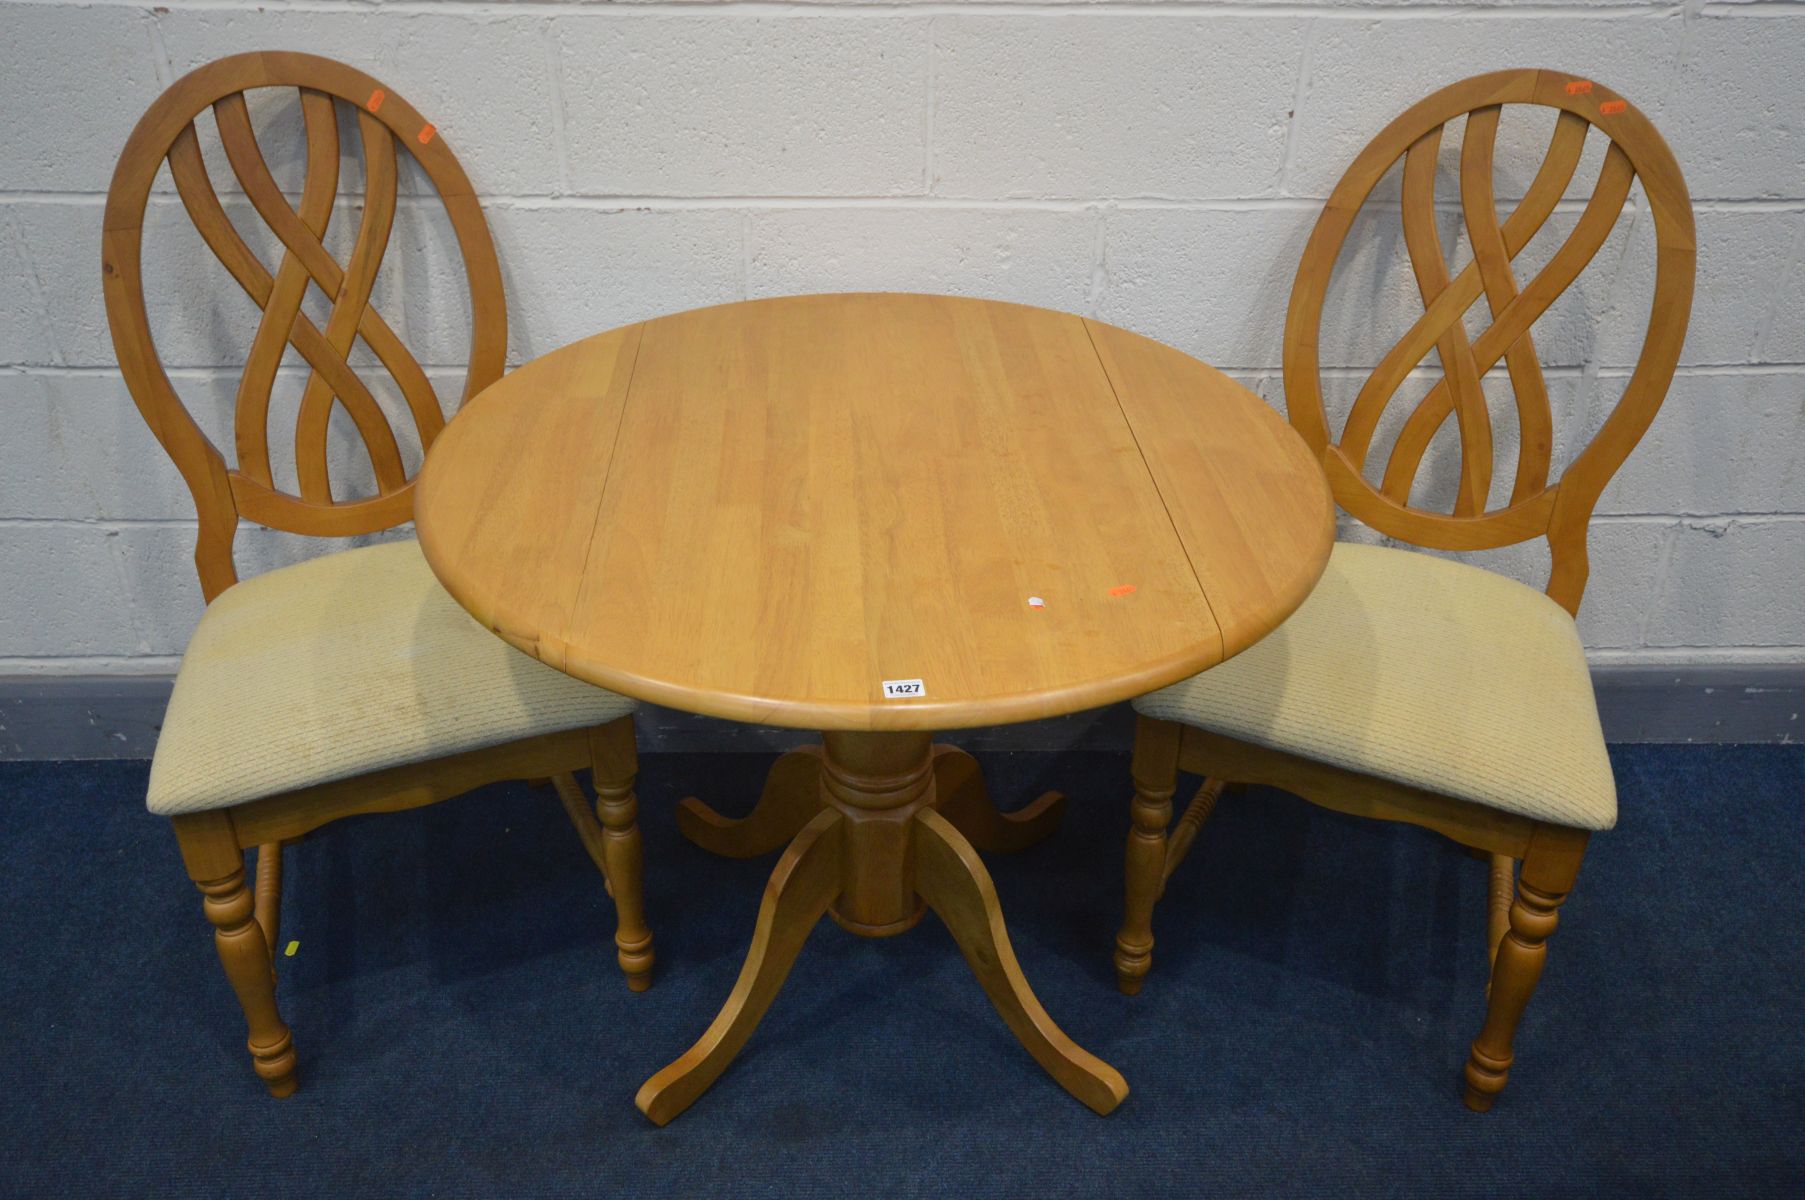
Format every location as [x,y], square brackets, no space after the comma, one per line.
[1123,589]
[1613,107]
[426,135]
[375,100]
[1579,87]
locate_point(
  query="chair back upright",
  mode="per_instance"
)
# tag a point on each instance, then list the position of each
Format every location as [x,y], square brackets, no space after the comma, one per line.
[224,493]
[1560,508]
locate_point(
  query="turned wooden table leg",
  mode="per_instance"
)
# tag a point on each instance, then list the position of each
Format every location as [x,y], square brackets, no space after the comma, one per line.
[791,798]
[799,890]
[965,803]
[874,856]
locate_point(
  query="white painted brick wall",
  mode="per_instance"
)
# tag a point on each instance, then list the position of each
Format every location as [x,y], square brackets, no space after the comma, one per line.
[718,104]
[1032,256]
[1068,107]
[1157,163]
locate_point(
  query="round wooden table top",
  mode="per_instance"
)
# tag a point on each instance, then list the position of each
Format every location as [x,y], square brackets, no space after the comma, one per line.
[768,511]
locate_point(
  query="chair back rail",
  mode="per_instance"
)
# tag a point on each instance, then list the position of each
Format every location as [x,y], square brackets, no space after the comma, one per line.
[224,493]
[1561,509]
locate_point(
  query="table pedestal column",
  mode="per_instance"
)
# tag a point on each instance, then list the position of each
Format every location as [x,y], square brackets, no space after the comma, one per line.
[878,785]
[881,827]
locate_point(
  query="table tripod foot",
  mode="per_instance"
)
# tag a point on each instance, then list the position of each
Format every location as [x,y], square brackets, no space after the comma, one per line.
[805,881]
[952,879]
[965,802]
[791,798]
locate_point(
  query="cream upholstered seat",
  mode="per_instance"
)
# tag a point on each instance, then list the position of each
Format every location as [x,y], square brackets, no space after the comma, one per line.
[340,666]
[1426,672]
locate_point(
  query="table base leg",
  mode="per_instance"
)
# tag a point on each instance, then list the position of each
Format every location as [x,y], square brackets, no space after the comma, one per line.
[792,796]
[806,879]
[890,829]
[958,889]
[965,802]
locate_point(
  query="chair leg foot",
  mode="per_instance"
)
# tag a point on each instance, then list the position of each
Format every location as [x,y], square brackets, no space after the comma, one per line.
[1477,1100]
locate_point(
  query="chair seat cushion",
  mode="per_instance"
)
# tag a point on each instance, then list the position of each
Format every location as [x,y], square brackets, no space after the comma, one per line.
[1423,671]
[343,665]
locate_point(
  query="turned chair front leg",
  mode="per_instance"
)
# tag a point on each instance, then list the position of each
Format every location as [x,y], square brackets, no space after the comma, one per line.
[1155,771]
[1543,884]
[616,767]
[215,863]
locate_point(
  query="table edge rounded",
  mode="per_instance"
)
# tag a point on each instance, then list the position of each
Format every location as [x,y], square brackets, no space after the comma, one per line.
[876,715]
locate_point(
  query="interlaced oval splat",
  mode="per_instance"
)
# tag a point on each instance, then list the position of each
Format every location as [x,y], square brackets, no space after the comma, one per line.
[167,133]
[1537,507]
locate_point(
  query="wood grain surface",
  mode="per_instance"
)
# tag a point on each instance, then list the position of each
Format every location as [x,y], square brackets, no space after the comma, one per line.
[763,511]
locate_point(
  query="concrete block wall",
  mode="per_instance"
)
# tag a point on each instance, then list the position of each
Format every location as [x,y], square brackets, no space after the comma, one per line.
[1156,163]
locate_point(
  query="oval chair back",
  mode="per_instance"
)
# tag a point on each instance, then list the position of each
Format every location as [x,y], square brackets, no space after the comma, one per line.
[386,127]
[1537,506]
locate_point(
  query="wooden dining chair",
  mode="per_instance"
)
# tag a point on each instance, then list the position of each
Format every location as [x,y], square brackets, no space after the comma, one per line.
[1410,687]
[351,683]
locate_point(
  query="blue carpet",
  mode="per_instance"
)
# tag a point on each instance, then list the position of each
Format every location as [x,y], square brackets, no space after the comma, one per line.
[463,1030]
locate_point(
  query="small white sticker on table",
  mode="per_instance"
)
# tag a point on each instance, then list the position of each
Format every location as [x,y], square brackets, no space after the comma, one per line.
[903,689]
